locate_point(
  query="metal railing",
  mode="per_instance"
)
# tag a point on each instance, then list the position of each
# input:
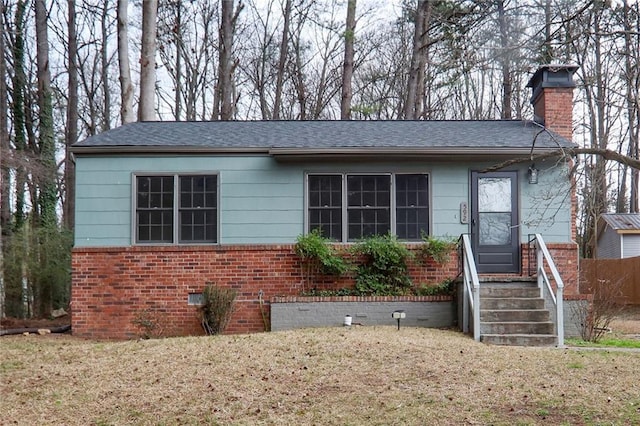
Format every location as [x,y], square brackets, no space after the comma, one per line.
[543,258]
[471,286]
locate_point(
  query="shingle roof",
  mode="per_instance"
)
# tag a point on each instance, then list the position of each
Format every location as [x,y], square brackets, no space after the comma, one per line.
[622,221]
[325,135]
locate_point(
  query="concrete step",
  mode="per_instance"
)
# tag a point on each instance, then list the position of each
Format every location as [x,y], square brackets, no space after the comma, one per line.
[513,313]
[511,303]
[521,327]
[520,339]
[510,315]
[509,291]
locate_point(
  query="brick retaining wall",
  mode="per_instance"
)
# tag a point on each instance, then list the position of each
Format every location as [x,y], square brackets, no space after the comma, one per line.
[114,287]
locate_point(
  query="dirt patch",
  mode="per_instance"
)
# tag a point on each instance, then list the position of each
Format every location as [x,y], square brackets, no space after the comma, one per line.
[628,322]
[13,323]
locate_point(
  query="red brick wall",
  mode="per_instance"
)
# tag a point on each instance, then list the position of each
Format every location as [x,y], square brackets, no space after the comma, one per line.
[112,288]
[555,105]
[565,256]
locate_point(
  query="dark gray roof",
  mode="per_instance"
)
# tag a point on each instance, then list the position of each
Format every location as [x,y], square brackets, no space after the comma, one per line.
[622,221]
[290,137]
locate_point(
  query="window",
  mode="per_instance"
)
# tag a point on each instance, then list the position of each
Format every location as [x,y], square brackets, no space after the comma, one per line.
[347,207]
[369,206]
[325,205]
[412,206]
[188,215]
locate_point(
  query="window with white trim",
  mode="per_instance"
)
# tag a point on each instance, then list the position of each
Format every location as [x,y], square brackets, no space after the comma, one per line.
[188,215]
[351,206]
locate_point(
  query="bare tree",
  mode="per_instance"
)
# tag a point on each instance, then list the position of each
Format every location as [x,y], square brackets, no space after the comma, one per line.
[224,99]
[146,105]
[417,58]
[187,47]
[631,55]
[4,139]
[126,87]
[347,70]
[71,134]
[284,50]
[104,62]
[504,61]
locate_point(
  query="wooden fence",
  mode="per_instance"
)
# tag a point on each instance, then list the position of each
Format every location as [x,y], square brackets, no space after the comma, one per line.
[609,272]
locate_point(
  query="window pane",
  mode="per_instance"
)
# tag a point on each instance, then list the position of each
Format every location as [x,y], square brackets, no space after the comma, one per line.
[198,200]
[494,195]
[495,228]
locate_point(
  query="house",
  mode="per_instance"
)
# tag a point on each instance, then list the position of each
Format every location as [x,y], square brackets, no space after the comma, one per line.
[162,208]
[618,236]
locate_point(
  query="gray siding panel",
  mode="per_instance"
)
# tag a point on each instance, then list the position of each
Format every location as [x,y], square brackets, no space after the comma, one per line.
[262,200]
[609,245]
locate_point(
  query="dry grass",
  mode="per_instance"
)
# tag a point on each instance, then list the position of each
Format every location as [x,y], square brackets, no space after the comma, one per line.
[362,375]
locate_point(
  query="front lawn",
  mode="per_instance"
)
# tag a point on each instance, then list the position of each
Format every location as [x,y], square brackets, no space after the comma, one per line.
[360,375]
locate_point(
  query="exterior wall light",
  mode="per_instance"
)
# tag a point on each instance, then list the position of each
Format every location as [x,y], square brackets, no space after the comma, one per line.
[533,174]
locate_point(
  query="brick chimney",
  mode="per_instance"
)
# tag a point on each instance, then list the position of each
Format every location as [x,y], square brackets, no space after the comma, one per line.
[552,98]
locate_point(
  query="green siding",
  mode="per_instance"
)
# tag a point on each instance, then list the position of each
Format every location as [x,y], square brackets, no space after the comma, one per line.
[262,200]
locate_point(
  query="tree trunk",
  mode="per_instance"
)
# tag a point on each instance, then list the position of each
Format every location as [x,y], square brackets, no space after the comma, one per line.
[43,289]
[104,72]
[126,87]
[347,69]
[4,139]
[179,48]
[547,48]
[19,120]
[48,185]
[225,61]
[282,61]
[71,135]
[505,62]
[632,88]
[422,64]
[146,107]
[416,60]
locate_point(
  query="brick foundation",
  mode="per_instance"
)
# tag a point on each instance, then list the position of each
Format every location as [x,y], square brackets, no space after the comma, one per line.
[113,288]
[565,256]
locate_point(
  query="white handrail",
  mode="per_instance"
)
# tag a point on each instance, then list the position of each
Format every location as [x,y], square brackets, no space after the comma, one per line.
[471,284]
[544,257]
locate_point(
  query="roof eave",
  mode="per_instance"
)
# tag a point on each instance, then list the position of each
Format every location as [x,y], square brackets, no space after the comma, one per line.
[301,153]
[440,153]
[132,149]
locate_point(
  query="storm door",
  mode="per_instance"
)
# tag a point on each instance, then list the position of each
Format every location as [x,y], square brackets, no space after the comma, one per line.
[494,222]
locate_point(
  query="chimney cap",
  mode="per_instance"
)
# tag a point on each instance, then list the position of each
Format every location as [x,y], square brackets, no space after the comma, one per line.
[553,75]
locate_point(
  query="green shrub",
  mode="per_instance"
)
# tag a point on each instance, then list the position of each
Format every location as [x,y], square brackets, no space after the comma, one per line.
[438,249]
[384,269]
[216,309]
[318,257]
